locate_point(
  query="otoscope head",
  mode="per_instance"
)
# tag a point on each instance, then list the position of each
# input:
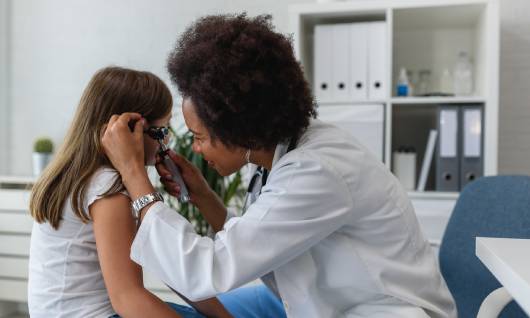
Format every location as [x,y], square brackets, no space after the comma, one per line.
[159,134]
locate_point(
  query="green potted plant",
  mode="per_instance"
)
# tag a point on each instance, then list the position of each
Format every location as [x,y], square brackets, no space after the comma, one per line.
[230,189]
[42,152]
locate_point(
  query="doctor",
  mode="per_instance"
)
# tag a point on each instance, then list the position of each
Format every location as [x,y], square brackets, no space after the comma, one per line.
[329,229]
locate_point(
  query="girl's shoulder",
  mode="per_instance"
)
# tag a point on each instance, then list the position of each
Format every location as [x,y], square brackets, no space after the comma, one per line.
[103,176]
[103,180]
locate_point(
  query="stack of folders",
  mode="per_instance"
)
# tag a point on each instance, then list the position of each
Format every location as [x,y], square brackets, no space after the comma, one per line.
[350,62]
[460,154]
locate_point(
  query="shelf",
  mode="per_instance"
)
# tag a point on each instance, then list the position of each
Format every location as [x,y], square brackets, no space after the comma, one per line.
[18,179]
[16,182]
[433,195]
[432,38]
[437,100]
[415,101]
[353,103]
[355,7]
[339,9]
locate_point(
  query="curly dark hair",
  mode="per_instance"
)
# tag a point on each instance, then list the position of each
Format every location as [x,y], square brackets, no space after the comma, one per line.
[242,76]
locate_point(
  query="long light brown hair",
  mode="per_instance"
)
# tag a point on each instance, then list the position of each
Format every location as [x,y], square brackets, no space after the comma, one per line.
[112,90]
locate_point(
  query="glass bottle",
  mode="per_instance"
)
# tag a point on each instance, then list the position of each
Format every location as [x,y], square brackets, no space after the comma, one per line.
[446,82]
[424,84]
[463,75]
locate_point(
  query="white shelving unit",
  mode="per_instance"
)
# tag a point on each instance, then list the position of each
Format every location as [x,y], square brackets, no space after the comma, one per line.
[421,34]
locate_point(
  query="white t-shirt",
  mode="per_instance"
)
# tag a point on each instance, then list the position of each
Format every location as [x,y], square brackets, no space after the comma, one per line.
[65,278]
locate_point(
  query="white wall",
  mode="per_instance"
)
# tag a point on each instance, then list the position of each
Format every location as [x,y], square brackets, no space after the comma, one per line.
[4,86]
[514,105]
[58,44]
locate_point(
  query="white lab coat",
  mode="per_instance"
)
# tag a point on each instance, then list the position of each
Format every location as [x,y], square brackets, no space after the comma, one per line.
[332,226]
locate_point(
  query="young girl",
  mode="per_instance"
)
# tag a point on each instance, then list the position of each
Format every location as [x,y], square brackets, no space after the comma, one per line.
[79,259]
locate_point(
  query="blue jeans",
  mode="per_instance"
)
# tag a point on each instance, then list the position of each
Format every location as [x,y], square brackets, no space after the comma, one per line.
[247,302]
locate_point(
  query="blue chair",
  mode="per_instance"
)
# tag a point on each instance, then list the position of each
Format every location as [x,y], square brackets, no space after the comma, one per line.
[492,207]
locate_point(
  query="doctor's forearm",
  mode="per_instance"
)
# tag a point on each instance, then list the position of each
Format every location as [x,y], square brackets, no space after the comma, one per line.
[213,210]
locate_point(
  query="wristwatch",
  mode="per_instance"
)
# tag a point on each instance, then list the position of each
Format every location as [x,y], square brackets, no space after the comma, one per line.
[143,201]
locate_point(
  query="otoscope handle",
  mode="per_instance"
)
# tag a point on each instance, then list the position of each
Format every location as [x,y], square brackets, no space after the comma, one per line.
[177,177]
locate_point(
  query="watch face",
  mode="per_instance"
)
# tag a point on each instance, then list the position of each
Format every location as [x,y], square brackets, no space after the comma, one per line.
[143,201]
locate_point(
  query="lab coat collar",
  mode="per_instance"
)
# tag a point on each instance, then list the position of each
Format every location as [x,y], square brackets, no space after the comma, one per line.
[281,149]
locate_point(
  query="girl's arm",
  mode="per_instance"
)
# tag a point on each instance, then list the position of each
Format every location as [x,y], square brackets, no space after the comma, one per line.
[114,230]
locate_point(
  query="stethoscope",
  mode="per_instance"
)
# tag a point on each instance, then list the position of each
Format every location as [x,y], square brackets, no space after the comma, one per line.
[257,182]
[259,179]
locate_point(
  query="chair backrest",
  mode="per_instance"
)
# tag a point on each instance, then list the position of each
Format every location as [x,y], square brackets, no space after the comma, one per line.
[492,207]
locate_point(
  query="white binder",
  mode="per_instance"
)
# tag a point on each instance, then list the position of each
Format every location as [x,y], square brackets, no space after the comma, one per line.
[378,87]
[322,63]
[471,159]
[340,61]
[448,154]
[358,61]
[350,62]
[364,122]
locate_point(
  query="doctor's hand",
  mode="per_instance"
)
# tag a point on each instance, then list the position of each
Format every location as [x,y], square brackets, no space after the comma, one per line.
[123,143]
[198,188]
[123,147]
[201,195]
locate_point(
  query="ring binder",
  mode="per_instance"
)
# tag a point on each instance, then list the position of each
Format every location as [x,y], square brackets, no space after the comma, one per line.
[472,158]
[447,167]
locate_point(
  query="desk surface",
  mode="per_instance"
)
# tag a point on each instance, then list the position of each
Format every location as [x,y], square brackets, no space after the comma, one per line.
[509,261]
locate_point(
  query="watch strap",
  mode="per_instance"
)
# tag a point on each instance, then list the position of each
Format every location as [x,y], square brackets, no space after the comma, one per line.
[143,201]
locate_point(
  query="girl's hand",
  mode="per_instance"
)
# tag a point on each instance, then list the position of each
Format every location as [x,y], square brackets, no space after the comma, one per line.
[197,186]
[125,149]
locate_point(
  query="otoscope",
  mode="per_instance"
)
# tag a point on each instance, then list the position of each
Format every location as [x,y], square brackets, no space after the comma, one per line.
[159,134]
